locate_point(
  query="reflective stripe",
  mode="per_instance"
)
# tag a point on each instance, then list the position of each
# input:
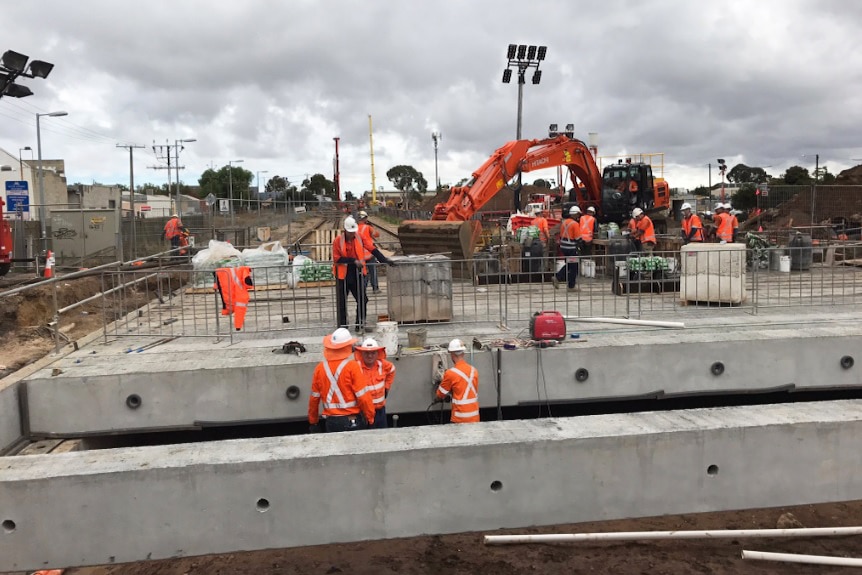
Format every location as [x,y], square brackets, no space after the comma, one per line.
[380,399]
[467,391]
[315,394]
[334,389]
[240,304]
[457,413]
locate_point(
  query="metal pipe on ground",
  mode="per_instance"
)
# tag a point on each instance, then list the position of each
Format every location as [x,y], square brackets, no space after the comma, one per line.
[622,321]
[652,535]
[796,558]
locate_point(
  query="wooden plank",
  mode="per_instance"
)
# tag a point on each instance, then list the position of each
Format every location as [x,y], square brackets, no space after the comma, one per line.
[198,291]
[68,446]
[324,283]
[40,447]
[323,239]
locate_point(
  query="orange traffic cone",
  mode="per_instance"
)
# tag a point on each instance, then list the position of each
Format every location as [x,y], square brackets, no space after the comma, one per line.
[49,265]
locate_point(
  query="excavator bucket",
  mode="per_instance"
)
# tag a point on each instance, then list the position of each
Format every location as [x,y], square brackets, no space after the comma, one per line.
[436,236]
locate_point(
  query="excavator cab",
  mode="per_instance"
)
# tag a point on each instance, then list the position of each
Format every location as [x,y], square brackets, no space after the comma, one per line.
[627,186]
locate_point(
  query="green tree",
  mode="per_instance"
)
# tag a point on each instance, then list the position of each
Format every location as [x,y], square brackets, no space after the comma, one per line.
[219,182]
[348,196]
[317,185]
[540,183]
[796,176]
[823,176]
[745,197]
[742,174]
[701,191]
[280,188]
[410,182]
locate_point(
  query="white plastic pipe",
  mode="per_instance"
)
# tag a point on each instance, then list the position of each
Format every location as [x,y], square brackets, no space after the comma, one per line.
[621,321]
[646,535]
[811,559]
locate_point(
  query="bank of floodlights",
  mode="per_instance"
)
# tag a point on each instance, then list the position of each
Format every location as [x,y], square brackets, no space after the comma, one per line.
[13,65]
[521,58]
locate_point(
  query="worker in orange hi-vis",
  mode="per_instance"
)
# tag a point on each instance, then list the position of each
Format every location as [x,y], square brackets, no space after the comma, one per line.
[173,229]
[379,374]
[692,228]
[541,222]
[724,224]
[734,223]
[589,230]
[367,234]
[644,231]
[461,383]
[232,284]
[339,384]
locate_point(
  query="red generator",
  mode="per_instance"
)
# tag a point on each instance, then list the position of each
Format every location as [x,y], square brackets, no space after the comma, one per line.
[547,325]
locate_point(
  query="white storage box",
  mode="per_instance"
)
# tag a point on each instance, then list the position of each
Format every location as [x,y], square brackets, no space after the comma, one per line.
[713,273]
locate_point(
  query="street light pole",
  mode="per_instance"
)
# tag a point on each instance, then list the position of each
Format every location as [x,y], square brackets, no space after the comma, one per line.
[230,187]
[177,147]
[21,162]
[43,229]
[436,137]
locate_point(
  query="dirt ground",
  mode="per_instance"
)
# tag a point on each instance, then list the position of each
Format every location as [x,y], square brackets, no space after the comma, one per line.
[466,553]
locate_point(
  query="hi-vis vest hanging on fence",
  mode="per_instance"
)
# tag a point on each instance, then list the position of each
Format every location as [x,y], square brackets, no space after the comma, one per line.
[233,284]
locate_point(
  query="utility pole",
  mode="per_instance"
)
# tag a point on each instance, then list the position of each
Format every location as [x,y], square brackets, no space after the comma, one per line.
[131,148]
[371,144]
[164,153]
[336,177]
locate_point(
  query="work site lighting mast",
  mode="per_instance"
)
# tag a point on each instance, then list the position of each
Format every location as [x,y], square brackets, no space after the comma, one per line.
[43,230]
[436,137]
[13,65]
[521,58]
[722,168]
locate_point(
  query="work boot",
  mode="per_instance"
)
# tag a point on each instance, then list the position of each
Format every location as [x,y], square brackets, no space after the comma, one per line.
[574,288]
[556,282]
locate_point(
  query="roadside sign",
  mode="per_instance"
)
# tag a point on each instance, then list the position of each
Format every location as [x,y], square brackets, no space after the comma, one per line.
[224,206]
[211,199]
[19,186]
[17,202]
[146,208]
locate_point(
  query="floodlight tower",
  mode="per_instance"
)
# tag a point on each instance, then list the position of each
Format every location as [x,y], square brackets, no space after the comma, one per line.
[521,58]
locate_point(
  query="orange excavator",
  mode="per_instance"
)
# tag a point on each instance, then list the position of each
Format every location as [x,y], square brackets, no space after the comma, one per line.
[613,192]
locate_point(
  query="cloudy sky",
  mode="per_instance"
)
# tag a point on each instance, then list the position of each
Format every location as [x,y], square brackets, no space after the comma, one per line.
[272,82]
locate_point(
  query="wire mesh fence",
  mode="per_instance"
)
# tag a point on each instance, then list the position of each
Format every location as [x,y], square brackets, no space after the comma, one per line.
[501,293]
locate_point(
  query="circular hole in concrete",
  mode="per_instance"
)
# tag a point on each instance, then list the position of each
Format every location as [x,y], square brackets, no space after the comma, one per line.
[9,526]
[712,470]
[263,505]
[496,485]
[292,393]
[134,401]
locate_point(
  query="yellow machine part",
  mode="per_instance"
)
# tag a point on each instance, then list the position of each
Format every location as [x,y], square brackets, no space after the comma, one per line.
[433,237]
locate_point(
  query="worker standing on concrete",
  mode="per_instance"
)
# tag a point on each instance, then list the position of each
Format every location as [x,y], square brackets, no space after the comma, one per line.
[339,383]
[570,240]
[232,285]
[734,223]
[379,375]
[723,224]
[692,228]
[644,233]
[174,228]
[462,382]
[367,233]
[348,262]
[589,230]
[541,222]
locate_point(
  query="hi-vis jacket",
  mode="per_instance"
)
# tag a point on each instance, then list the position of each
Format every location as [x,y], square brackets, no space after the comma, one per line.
[379,377]
[588,228]
[342,248]
[233,284]
[340,385]
[725,226]
[173,227]
[570,232]
[645,231]
[693,223]
[462,381]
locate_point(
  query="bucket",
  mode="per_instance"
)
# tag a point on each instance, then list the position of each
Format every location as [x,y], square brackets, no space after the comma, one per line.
[588,268]
[784,264]
[387,336]
[416,337]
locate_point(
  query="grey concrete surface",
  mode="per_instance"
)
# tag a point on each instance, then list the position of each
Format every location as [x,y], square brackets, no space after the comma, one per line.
[193,382]
[10,416]
[115,506]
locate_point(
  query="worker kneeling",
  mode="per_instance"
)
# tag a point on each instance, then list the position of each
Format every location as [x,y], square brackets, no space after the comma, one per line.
[379,375]
[462,382]
[339,383]
[232,285]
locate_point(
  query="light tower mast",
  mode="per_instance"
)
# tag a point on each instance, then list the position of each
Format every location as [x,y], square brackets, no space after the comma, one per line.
[371,145]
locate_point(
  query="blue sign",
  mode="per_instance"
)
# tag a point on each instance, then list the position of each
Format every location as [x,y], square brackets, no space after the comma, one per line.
[19,186]
[16,202]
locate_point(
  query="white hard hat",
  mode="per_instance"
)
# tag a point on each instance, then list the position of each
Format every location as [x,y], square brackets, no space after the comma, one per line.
[718,206]
[591,209]
[339,338]
[727,206]
[685,206]
[574,210]
[363,214]
[370,344]
[636,212]
[175,215]
[456,345]
[350,224]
